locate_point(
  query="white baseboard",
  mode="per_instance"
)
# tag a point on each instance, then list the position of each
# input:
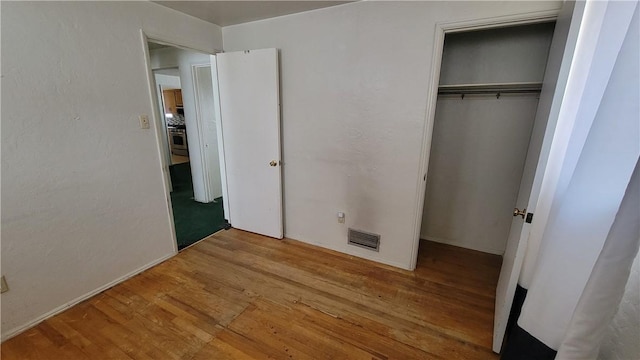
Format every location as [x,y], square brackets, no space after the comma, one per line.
[463,245]
[19,329]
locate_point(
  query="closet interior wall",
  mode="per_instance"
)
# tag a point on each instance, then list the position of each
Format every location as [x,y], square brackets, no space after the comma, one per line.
[480,141]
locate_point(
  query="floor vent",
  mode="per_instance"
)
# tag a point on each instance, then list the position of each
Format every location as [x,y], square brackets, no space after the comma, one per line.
[364,239]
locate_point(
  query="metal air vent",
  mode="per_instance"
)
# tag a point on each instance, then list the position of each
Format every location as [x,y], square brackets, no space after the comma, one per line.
[364,239]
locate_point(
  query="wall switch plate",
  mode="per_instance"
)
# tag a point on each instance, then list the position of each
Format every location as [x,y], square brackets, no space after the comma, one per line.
[341,217]
[4,286]
[144,122]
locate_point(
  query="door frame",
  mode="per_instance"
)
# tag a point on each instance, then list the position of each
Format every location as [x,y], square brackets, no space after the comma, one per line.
[221,153]
[163,120]
[201,126]
[438,47]
[145,37]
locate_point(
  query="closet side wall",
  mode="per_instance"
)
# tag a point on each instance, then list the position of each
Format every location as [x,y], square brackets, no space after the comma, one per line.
[480,142]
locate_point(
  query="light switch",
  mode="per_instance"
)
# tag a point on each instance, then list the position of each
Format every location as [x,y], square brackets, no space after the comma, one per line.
[144,121]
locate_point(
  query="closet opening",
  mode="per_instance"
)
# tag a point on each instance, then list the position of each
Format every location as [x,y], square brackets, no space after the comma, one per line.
[484,150]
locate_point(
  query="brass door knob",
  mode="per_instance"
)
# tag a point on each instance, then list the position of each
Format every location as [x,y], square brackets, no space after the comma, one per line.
[518,212]
[273,163]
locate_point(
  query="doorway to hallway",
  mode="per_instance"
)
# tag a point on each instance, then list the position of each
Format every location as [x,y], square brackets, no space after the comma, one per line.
[184,90]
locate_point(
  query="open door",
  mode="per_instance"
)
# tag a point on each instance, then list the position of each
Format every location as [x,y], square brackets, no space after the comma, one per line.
[555,79]
[250,112]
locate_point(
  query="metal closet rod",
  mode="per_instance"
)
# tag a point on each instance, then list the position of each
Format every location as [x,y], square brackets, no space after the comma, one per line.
[496,88]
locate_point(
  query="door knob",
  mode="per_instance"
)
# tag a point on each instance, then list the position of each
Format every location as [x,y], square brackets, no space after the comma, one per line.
[273,163]
[517,212]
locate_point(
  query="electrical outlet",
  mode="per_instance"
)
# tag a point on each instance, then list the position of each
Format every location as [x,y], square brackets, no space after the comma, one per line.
[144,122]
[341,217]
[4,286]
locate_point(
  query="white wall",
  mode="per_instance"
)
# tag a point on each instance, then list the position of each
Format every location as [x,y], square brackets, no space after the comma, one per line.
[167,81]
[354,82]
[83,198]
[477,155]
[503,55]
[621,338]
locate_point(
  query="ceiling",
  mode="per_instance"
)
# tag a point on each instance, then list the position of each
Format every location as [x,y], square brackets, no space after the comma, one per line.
[226,13]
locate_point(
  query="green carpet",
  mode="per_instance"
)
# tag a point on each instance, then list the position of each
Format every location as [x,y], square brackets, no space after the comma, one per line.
[193,220]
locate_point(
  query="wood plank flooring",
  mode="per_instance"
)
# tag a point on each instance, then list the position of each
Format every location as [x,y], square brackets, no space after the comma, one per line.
[238,295]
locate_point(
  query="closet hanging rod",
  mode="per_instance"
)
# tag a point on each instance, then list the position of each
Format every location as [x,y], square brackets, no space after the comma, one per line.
[498,88]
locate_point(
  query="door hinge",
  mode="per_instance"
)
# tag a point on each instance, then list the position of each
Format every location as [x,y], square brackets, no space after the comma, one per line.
[529,218]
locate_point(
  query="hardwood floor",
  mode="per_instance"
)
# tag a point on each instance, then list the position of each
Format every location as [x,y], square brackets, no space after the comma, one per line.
[238,295]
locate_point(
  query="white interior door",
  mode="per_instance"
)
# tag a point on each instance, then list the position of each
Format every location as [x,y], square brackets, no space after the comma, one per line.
[554,81]
[250,113]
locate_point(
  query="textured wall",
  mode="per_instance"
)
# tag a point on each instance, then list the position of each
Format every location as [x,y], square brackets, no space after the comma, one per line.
[83,200]
[621,339]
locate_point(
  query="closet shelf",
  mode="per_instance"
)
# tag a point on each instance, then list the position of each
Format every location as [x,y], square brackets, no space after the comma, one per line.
[496,88]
